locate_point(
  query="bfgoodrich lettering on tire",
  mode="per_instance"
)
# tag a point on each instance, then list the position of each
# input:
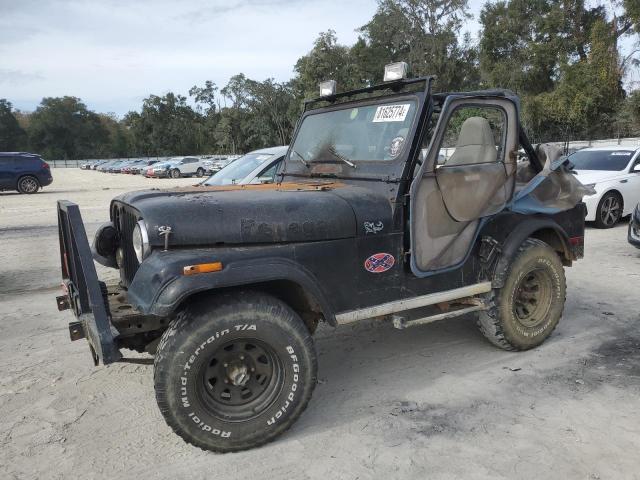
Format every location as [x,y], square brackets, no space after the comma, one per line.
[525,311]
[234,371]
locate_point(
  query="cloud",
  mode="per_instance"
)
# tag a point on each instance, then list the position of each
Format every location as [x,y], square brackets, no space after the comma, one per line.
[209,12]
[16,77]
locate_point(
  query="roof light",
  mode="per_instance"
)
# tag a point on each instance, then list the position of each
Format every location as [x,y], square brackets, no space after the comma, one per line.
[328,88]
[395,71]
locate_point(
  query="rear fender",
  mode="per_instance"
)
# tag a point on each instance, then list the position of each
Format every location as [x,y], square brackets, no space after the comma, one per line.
[542,228]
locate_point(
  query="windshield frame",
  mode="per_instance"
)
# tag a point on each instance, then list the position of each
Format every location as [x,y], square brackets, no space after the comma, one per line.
[366,169]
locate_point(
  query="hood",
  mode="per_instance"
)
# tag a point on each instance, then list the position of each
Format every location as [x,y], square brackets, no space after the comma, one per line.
[249,214]
[587,177]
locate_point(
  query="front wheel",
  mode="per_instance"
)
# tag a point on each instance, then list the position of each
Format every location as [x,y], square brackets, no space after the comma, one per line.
[609,210]
[234,371]
[525,311]
[175,173]
[200,172]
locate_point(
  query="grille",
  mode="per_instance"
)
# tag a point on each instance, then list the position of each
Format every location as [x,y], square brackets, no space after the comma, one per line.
[125,220]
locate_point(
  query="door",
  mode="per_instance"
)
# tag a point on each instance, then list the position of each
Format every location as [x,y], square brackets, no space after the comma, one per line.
[7,173]
[632,198]
[468,173]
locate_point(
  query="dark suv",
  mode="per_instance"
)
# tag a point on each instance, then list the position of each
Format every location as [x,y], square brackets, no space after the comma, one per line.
[24,172]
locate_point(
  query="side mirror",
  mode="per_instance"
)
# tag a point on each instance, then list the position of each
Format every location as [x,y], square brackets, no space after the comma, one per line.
[636,168]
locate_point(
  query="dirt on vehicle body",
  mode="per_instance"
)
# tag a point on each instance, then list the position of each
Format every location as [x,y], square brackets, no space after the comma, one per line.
[393,202]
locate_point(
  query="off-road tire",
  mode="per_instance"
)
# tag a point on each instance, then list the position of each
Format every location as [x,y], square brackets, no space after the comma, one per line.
[501,323]
[200,172]
[28,184]
[609,221]
[175,173]
[198,336]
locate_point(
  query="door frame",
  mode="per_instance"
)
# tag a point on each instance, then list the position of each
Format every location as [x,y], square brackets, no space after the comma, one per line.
[510,105]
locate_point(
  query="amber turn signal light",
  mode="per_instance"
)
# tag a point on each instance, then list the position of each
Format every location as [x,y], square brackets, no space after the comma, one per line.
[202,268]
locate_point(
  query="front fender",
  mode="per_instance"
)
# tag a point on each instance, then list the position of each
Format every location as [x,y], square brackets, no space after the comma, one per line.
[160,286]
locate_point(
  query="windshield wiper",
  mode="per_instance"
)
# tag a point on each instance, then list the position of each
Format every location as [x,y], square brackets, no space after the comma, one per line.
[302,159]
[334,152]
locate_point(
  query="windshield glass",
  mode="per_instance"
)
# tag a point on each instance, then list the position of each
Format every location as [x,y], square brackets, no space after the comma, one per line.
[365,133]
[601,159]
[235,172]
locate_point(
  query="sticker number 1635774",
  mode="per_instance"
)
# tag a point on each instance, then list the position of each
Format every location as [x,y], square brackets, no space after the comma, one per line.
[391,113]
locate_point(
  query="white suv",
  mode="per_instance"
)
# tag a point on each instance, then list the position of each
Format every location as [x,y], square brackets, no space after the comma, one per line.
[185,167]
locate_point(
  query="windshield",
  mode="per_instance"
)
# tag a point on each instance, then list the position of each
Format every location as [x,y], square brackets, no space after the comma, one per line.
[365,133]
[614,160]
[235,172]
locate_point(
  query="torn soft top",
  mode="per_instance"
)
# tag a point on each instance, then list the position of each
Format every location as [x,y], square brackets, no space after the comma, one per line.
[552,190]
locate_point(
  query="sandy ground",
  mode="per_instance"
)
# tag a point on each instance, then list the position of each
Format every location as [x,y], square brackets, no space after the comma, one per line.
[430,402]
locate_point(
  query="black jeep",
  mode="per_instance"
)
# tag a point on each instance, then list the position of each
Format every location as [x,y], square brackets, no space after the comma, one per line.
[394,202]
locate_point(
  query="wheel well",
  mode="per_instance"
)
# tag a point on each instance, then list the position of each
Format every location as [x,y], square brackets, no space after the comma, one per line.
[552,238]
[616,192]
[290,292]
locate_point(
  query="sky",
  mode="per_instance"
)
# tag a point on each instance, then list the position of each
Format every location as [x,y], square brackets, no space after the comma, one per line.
[114,53]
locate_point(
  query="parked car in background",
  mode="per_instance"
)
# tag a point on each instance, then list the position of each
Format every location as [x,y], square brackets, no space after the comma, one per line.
[259,166]
[158,169]
[184,167]
[614,172]
[141,166]
[213,166]
[634,227]
[103,166]
[86,165]
[24,172]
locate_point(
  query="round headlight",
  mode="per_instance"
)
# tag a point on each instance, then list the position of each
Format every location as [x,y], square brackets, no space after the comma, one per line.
[140,240]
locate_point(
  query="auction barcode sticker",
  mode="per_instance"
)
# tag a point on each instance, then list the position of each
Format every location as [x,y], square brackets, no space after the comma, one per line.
[391,113]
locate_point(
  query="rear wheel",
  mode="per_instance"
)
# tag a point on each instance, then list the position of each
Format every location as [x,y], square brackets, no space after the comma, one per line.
[609,210]
[175,173]
[526,310]
[235,371]
[28,184]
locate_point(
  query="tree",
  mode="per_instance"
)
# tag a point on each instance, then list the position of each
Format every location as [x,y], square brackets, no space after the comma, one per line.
[424,33]
[12,136]
[165,126]
[63,127]
[327,60]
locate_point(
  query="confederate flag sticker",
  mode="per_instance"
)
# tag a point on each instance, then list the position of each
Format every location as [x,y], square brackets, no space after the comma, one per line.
[379,262]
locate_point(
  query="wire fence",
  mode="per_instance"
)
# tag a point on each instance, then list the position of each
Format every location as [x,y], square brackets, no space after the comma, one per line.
[77,163]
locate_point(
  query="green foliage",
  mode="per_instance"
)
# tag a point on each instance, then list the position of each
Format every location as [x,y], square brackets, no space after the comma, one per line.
[65,128]
[12,136]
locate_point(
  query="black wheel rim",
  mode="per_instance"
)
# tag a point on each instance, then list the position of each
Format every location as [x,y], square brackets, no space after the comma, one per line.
[28,185]
[241,379]
[610,210]
[533,297]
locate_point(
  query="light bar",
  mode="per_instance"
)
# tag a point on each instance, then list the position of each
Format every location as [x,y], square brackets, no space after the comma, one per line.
[328,88]
[395,71]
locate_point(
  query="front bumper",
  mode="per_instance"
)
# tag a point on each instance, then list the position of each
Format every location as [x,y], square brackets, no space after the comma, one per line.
[84,294]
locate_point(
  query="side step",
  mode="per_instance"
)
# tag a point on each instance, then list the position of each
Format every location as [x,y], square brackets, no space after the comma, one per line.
[401,322]
[403,305]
